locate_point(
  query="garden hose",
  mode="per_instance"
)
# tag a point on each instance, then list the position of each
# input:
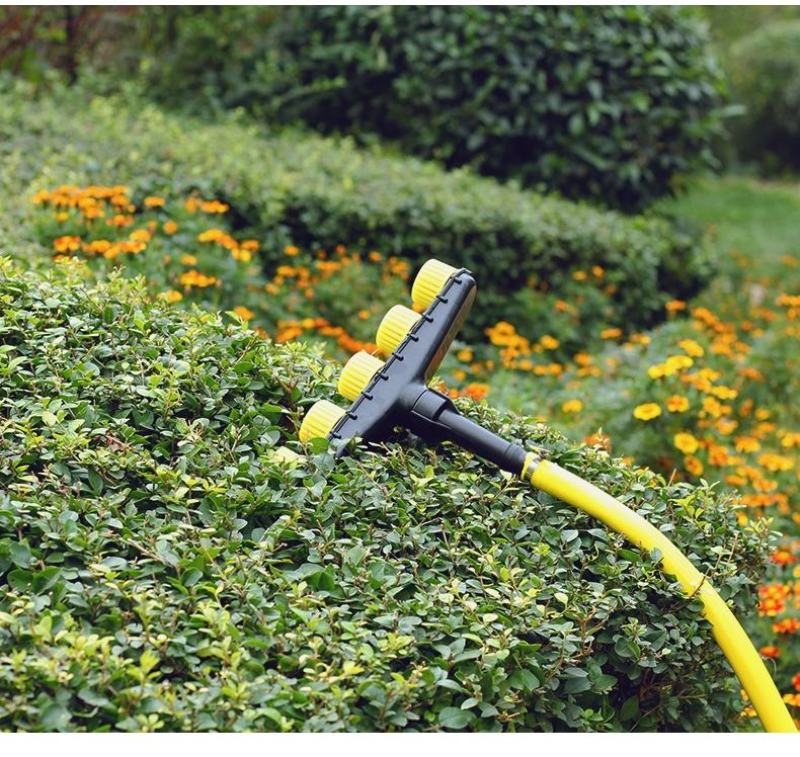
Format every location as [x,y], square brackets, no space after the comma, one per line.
[731,637]
[385,395]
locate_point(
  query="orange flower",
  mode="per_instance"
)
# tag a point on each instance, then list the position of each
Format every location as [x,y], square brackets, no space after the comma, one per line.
[771,652]
[171,296]
[67,244]
[476,392]
[693,465]
[170,227]
[612,333]
[673,306]
[154,202]
[291,250]
[677,404]
[244,313]
[787,626]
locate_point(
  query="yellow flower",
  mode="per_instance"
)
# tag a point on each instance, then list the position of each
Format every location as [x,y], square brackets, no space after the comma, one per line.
[549,342]
[677,404]
[188,260]
[724,393]
[655,372]
[291,250]
[686,443]
[612,333]
[647,411]
[712,407]
[677,363]
[140,235]
[691,348]
[154,202]
[572,406]
[170,227]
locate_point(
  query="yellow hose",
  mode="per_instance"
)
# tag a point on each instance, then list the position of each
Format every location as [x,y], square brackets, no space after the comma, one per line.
[730,636]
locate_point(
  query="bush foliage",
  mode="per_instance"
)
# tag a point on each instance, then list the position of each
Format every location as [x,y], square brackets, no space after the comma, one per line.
[165,567]
[601,103]
[316,192]
[764,68]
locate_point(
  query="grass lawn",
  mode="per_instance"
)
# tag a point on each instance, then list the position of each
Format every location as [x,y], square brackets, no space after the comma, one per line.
[759,219]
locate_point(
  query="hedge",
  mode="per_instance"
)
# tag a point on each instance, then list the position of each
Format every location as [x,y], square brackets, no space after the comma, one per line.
[312,191]
[765,75]
[164,567]
[606,103]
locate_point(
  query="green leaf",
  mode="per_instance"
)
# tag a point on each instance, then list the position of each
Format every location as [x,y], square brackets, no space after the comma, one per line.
[55,717]
[455,718]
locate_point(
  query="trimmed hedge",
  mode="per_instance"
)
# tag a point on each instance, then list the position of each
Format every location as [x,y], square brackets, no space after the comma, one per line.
[163,568]
[311,191]
[605,103]
[764,68]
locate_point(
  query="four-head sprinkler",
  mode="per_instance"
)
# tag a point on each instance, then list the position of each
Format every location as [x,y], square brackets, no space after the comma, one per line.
[395,393]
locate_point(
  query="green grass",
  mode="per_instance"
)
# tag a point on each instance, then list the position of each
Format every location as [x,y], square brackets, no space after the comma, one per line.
[757,218]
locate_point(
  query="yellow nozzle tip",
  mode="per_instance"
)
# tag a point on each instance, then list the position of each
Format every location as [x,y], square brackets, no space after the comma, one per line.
[320,420]
[357,374]
[430,281]
[394,327]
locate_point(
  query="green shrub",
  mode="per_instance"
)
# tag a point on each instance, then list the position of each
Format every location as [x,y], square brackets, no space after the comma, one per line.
[764,68]
[316,192]
[601,103]
[163,567]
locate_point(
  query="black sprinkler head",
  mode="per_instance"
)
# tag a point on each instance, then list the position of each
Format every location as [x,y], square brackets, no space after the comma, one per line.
[395,393]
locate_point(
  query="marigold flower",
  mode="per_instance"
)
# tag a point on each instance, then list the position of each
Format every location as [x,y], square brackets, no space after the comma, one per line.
[677,404]
[686,443]
[693,465]
[691,348]
[465,355]
[747,444]
[647,411]
[786,626]
[171,296]
[549,342]
[475,391]
[572,406]
[673,306]
[154,202]
[771,652]
[776,463]
[170,227]
[213,206]
[291,250]
[612,333]
[244,313]
[67,244]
